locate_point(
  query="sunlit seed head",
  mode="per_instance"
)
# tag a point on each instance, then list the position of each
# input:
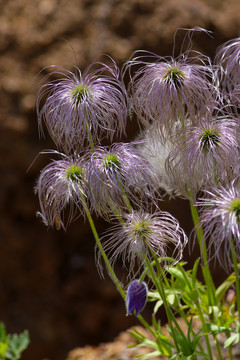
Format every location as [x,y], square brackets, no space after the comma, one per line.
[75,173]
[235,208]
[79,93]
[111,162]
[174,76]
[209,137]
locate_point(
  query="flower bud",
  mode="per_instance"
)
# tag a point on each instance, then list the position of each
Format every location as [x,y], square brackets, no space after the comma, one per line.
[136,297]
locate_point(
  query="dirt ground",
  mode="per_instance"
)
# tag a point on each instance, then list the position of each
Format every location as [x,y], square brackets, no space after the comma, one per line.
[48,280]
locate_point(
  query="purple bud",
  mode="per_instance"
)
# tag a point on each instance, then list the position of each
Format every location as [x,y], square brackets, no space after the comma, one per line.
[136,297]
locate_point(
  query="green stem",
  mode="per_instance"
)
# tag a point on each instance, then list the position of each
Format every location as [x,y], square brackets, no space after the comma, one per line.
[184,317]
[205,330]
[144,273]
[200,315]
[202,245]
[218,348]
[161,275]
[100,247]
[109,267]
[146,325]
[230,353]
[125,198]
[235,265]
[161,292]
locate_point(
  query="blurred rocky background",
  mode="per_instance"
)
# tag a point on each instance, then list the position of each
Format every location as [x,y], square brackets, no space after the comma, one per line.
[48,280]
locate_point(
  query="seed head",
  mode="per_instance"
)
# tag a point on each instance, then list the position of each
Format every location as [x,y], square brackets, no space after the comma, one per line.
[62,184]
[156,149]
[118,174]
[228,59]
[141,235]
[205,154]
[167,90]
[220,219]
[83,107]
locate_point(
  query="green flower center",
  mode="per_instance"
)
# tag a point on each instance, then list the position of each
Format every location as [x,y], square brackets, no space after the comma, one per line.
[209,138]
[174,76]
[79,93]
[141,229]
[75,173]
[235,208]
[111,162]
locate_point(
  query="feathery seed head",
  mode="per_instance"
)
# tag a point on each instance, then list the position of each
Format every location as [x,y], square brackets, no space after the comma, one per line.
[80,93]
[209,138]
[168,90]
[119,172]
[111,162]
[174,76]
[62,184]
[141,230]
[204,155]
[228,59]
[220,218]
[141,235]
[75,173]
[156,149]
[83,107]
[234,208]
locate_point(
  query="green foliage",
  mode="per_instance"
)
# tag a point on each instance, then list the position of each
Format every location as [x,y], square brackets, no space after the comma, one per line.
[189,298]
[12,346]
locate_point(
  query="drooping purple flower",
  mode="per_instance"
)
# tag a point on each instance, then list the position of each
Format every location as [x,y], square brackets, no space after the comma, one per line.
[136,297]
[62,184]
[167,89]
[204,155]
[84,106]
[220,218]
[117,175]
[141,234]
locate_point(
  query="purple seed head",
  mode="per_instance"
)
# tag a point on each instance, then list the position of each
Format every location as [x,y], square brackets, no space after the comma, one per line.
[228,59]
[83,107]
[62,184]
[117,173]
[141,234]
[219,210]
[167,90]
[204,155]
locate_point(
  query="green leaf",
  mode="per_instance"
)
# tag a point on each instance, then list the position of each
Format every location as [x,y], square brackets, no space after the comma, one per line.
[157,306]
[148,356]
[221,290]
[17,344]
[153,295]
[194,271]
[137,335]
[171,298]
[234,339]
[215,330]
[177,274]
[2,332]
[182,341]
[3,349]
